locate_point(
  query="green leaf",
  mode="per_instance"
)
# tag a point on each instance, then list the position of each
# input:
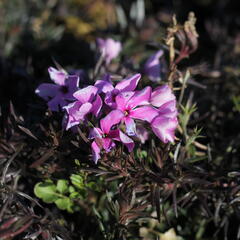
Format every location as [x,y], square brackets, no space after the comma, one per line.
[141,154]
[192,150]
[95,211]
[71,189]
[195,135]
[74,195]
[77,162]
[187,111]
[62,186]
[196,159]
[77,181]
[63,203]
[46,191]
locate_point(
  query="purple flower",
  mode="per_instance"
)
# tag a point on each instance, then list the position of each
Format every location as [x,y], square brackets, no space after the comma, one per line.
[164,128]
[166,122]
[105,135]
[162,95]
[106,86]
[81,73]
[59,94]
[168,109]
[88,101]
[152,67]
[109,48]
[133,106]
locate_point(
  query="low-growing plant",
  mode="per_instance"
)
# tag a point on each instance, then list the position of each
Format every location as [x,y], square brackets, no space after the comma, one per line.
[131,146]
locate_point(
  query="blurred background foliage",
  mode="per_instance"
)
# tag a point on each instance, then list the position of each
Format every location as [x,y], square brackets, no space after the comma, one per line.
[34,33]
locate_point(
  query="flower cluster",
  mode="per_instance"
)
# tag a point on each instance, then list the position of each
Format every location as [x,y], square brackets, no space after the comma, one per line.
[117,113]
[116,108]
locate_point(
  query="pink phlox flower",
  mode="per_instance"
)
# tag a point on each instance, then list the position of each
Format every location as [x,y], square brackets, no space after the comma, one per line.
[61,92]
[109,48]
[105,135]
[165,124]
[152,67]
[164,128]
[168,109]
[105,86]
[88,101]
[135,105]
[162,95]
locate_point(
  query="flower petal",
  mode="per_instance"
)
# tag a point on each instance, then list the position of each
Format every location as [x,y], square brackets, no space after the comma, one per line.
[111,50]
[72,82]
[70,88]
[74,129]
[97,105]
[57,76]
[77,113]
[122,100]
[153,72]
[86,94]
[152,67]
[130,126]
[129,84]
[114,134]
[114,117]
[140,98]
[168,109]
[161,95]
[104,85]
[164,128]
[80,113]
[95,151]
[142,134]
[56,103]
[95,133]
[110,100]
[118,135]
[72,107]
[145,113]
[47,90]
[71,122]
[127,141]
[108,144]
